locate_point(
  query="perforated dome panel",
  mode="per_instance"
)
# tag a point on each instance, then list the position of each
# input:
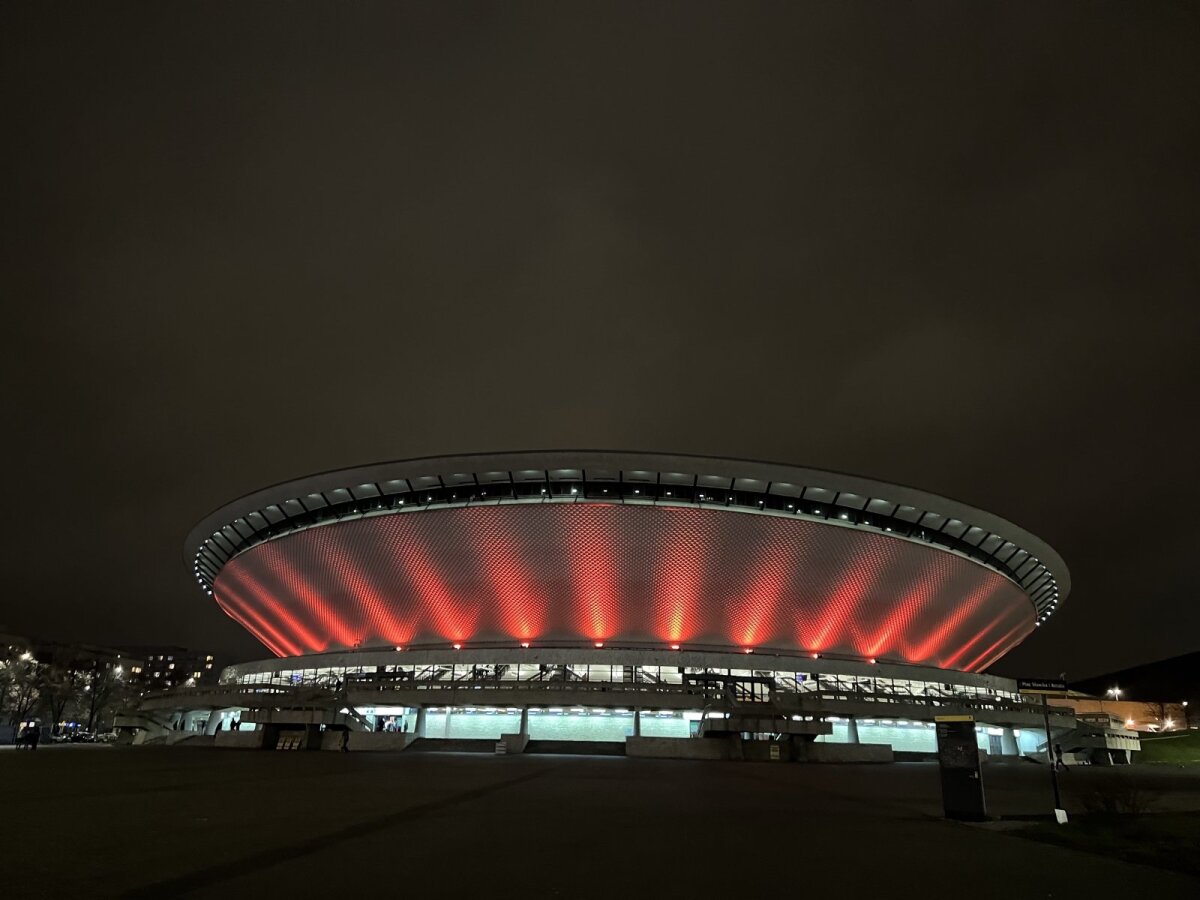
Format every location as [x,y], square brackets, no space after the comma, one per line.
[601,572]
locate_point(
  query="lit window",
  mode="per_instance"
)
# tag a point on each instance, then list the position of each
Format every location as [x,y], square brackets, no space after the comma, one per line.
[170,665]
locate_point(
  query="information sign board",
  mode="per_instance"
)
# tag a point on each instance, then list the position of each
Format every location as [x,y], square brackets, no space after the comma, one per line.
[958,764]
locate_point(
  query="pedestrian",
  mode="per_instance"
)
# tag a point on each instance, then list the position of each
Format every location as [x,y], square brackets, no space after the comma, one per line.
[35,734]
[1059,765]
[346,741]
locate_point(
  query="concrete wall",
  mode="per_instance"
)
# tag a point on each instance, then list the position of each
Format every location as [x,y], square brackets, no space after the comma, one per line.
[239,740]
[453,745]
[678,748]
[331,739]
[850,753]
[513,743]
[194,740]
[584,748]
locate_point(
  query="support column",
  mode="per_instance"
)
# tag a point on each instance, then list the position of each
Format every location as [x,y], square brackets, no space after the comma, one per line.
[524,729]
[1008,743]
[637,723]
[215,719]
[419,731]
[852,730]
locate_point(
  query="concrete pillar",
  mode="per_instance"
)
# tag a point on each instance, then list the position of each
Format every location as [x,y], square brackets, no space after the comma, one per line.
[1008,743]
[852,731]
[420,729]
[214,721]
[524,729]
[637,723]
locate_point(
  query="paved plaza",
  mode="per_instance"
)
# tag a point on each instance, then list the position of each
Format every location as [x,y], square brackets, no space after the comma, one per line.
[108,821]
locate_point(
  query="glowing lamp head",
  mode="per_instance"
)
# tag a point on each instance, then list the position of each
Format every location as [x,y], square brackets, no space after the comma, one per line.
[457,646]
[871,660]
[598,644]
[398,649]
[674,646]
[749,650]
[816,656]
[524,645]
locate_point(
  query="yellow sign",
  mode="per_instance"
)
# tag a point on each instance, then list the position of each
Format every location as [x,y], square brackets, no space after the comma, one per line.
[954,718]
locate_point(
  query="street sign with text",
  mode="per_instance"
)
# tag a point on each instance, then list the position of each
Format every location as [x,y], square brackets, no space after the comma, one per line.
[1040,685]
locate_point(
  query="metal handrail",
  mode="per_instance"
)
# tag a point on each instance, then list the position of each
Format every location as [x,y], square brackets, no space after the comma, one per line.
[803,700]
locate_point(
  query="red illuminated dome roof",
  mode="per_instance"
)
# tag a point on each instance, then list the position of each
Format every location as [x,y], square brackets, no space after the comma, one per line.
[567,547]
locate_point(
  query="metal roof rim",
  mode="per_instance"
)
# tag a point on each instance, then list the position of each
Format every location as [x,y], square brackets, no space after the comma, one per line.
[620,460]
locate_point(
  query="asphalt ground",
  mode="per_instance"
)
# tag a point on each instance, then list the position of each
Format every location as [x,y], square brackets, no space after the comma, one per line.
[110,821]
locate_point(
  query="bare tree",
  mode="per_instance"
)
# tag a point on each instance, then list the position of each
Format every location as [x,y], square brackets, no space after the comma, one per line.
[21,686]
[1156,712]
[60,688]
[104,691]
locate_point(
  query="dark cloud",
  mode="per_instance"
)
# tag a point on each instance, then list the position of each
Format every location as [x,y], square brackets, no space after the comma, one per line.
[951,246]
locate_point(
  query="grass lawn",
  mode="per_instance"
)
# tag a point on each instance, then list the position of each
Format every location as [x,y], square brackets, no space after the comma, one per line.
[1163,840]
[1182,748]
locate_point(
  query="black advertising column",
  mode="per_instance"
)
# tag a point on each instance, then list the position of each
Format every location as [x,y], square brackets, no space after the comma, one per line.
[958,762]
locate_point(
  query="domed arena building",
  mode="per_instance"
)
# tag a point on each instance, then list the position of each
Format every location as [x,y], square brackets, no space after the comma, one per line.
[623,600]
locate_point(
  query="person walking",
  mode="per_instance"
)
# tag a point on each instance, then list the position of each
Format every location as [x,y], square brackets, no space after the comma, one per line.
[1059,765]
[346,741]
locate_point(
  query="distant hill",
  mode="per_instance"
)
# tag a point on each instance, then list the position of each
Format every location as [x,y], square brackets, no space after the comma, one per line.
[1167,680]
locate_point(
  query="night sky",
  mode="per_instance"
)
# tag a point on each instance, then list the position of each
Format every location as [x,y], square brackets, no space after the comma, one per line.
[947,245]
